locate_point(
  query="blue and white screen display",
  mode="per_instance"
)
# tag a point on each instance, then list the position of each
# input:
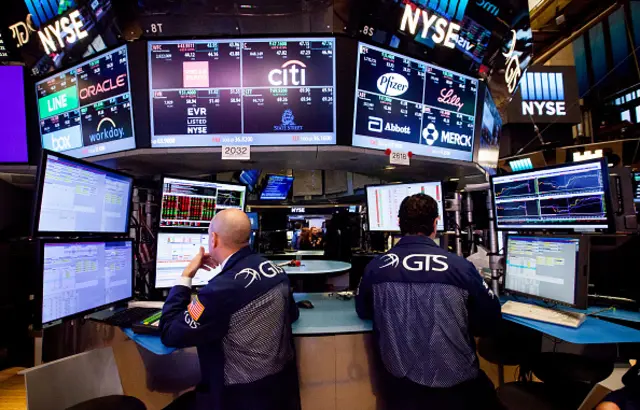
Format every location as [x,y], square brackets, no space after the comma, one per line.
[242,92]
[77,197]
[408,105]
[277,188]
[81,276]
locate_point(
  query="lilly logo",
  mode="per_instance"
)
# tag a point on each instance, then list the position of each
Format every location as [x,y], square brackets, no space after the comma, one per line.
[61,143]
[390,259]
[392,84]
[296,75]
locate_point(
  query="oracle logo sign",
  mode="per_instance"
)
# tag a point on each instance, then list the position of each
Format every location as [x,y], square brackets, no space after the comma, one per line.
[107,85]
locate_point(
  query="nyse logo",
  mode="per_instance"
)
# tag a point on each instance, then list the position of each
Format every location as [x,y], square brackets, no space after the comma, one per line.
[444,32]
[375,124]
[543,94]
[488,7]
[392,84]
[61,143]
[292,72]
[550,108]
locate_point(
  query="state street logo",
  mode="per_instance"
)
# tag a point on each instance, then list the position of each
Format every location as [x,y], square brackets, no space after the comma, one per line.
[288,122]
[293,72]
[430,134]
[392,84]
[107,130]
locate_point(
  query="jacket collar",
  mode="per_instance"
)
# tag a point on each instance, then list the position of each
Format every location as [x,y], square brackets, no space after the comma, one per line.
[236,257]
[416,240]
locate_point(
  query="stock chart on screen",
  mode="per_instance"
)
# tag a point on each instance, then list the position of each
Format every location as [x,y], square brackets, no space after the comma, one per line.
[571,196]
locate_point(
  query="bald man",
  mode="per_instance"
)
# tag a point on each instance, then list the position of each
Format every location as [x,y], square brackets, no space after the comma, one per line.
[240,322]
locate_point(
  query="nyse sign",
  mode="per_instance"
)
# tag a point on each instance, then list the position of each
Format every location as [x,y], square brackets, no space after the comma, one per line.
[445,31]
[53,36]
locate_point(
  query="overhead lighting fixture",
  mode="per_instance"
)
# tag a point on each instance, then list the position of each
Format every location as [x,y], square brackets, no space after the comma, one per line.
[389,168]
[578,156]
[454,179]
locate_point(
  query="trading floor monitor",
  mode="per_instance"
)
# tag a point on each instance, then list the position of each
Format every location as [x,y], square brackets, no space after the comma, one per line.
[84,276]
[175,251]
[550,268]
[75,196]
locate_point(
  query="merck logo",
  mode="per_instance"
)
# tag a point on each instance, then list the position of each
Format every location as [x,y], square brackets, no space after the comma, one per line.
[543,94]
[294,75]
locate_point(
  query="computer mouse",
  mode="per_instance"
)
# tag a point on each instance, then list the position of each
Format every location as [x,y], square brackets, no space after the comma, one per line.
[305,304]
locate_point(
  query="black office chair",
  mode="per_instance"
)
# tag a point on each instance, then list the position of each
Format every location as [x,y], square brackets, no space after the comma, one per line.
[110,403]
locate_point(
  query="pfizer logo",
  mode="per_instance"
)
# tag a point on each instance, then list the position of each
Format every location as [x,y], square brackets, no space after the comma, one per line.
[392,84]
[430,134]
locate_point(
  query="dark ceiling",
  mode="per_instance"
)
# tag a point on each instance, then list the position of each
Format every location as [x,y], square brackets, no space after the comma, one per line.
[554,20]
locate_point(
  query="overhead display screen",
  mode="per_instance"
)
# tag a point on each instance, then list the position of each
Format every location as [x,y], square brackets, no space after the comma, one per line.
[408,105]
[86,110]
[249,92]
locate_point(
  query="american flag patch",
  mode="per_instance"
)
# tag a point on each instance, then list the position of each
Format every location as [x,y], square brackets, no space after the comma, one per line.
[195,308]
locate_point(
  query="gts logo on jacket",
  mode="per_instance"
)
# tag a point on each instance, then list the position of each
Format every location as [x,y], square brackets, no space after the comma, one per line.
[416,262]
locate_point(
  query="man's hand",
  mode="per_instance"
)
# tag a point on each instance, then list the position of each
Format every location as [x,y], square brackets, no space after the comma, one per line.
[202,260]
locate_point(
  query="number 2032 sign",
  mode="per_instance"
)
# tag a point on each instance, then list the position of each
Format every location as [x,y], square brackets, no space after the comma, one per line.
[236,152]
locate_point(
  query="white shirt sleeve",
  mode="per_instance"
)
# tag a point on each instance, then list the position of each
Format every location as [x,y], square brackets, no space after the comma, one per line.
[184,281]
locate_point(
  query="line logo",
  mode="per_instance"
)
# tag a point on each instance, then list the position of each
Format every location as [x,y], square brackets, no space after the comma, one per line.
[392,84]
[293,72]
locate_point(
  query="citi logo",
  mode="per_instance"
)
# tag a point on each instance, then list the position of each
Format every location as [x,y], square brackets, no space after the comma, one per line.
[107,85]
[488,7]
[392,84]
[61,143]
[293,72]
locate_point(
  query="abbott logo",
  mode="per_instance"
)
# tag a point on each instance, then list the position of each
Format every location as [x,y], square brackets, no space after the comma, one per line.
[375,124]
[103,133]
[61,143]
[430,134]
[392,84]
[291,73]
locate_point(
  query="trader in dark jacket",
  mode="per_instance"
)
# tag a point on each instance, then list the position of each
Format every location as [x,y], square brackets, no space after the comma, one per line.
[240,322]
[427,305]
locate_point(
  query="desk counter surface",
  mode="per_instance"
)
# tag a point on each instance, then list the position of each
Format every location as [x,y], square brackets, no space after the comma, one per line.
[319,267]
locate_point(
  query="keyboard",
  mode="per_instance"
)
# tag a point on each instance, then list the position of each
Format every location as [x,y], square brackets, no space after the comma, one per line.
[127,317]
[543,314]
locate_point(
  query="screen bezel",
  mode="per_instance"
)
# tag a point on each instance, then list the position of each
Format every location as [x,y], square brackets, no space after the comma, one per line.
[356,83]
[440,227]
[245,38]
[187,229]
[35,229]
[561,226]
[40,291]
[266,184]
[581,272]
[92,57]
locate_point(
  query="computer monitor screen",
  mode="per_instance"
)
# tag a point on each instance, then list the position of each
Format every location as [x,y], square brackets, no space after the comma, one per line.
[250,178]
[253,217]
[79,277]
[404,104]
[383,203]
[277,188]
[13,117]
[175,251]
[75,196]
[547,267]
[572,196]
[270,91]
[86,110]
[192,204]
[636,189]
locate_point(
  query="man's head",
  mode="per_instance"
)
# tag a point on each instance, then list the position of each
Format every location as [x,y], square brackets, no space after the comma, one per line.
[418,215]
[297,226]
[229,232]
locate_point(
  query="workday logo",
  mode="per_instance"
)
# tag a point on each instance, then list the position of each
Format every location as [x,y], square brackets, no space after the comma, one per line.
[288,122]
[293,72]
[107,130]
[392,84]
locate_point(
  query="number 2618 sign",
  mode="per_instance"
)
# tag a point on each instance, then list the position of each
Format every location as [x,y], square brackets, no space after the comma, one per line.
[236,152]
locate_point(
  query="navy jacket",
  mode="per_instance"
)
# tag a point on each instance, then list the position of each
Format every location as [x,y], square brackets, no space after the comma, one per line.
[426,305]
[241,324]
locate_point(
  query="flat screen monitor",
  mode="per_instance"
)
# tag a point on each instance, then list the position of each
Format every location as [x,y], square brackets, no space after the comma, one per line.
[272,91]
[276,188]
[250,178]
[253,217]
[13,115]
[77,197]
[408,105]
[188,203]
[572,196]
[175,251]
[490,134]
[636,188]
[83,276]
[551,268]
[86,110]
[383,203]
